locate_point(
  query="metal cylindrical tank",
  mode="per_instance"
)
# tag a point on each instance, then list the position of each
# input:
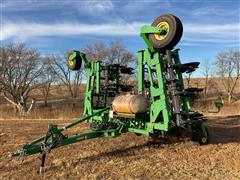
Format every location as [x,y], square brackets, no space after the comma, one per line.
[130,104]
[138,104]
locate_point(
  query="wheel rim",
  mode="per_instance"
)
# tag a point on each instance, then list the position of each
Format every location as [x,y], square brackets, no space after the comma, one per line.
[70,63]
[71,59]
[164,26]
[204,139]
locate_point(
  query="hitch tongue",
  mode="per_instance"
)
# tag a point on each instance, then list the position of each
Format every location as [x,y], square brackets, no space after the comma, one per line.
[42,163]
[44,147]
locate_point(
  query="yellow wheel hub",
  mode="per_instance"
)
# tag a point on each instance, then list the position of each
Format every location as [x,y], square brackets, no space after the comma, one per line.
[71,63]
[70,59]
[204,139]
[163,26]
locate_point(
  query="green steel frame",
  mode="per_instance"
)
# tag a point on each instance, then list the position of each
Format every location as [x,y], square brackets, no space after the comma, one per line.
[168,108]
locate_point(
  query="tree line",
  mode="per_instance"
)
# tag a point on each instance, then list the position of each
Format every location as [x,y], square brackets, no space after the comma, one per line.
[226,67]
[24,69]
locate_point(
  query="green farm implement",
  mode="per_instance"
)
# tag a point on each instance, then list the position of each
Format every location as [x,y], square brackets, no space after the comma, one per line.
[158,107]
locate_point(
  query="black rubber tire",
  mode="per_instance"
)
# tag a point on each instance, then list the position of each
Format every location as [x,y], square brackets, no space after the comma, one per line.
[76,63]
[174,34]
[198,134]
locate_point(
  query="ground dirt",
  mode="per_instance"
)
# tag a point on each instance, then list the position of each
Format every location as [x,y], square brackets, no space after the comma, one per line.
[125,157]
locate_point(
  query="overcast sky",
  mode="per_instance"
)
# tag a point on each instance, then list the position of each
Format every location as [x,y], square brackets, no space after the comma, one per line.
[209,26]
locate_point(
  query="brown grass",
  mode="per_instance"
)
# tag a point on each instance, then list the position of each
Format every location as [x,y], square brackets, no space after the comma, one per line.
[125,157]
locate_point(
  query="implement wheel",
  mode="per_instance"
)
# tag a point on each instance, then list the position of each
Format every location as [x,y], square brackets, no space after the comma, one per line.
[200,134]
[74,60]
[171,34]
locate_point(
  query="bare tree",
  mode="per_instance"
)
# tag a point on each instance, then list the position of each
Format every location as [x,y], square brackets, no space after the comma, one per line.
[1,68]
[47,78]
[228,68]
[114,53]
[187,77]
[97,51]
[206,74]
[20,69]
[117,53]
[71,79]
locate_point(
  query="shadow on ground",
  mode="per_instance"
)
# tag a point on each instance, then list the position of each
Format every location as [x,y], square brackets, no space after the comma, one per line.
[224,129]
[221,130]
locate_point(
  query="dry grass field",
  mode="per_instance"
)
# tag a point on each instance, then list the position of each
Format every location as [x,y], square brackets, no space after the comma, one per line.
[125,157]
